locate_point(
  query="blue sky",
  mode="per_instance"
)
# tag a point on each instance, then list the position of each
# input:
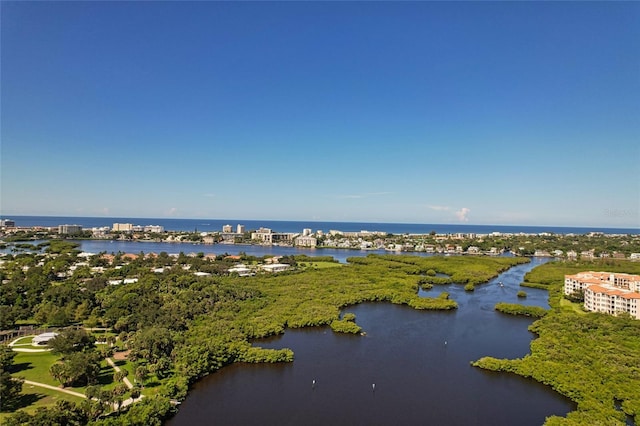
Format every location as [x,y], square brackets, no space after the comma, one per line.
[500,113]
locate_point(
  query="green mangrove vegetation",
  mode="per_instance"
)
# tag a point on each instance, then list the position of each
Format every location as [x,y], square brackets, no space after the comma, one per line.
[518,309]
[177,327]
[590,358]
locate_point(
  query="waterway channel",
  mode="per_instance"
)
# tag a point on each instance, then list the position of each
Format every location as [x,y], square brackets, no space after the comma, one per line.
[411,368]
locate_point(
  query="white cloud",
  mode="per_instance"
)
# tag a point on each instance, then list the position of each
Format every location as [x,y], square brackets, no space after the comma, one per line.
[463,214]
[439,208]
[172,211]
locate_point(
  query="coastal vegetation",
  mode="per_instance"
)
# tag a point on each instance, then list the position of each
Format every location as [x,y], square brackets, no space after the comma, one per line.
[517,309]
[177,327]
[588,357]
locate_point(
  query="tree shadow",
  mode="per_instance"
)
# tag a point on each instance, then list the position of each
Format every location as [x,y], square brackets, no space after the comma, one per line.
[23,401]
[15,368]
[152,383]
[106,376]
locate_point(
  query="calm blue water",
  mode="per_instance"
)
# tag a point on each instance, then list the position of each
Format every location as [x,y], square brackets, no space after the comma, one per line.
[208,225]
[419,379]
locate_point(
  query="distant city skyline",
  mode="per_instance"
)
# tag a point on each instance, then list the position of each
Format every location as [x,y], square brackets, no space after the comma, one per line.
[497,113]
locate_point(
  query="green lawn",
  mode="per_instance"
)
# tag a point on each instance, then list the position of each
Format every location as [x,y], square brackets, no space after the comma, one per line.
[575,306]
[36,396]
[322,265]
[26,340]
[35,366]
[126,365]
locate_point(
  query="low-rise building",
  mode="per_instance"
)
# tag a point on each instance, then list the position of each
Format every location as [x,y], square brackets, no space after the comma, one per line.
[242,270]
[158,229]
[306,241]
[275,267]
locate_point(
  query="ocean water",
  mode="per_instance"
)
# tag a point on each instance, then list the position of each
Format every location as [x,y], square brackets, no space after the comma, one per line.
[208,225]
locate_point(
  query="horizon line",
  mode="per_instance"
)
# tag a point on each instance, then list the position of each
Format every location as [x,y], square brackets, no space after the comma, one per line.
[3,216]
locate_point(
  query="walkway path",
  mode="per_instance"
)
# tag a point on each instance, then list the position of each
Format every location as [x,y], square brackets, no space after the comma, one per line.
[126,381]
[115,367]
[14,345]
[56,388]
[126,402]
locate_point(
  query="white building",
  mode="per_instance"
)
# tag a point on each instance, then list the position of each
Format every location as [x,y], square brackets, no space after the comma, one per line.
[306,241]
[122,227]
[275,267]
[267,236]
[154,228]
[227,229]
[240,229]
[43,339]
[606,292]
[611,300]
[69,229]
[241,270]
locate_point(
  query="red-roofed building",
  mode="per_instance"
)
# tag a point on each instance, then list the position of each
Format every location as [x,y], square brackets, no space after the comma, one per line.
[606,292]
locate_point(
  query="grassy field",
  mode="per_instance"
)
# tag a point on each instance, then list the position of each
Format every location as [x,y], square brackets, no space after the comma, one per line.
[575,306]
[35,366]
[26,340]
[35,396]
[322,265]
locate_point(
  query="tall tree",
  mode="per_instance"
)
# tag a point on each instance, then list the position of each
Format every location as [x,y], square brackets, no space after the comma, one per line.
[72,340]
[10,387]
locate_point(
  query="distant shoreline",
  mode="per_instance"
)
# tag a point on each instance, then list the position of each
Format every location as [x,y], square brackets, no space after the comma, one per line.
[212,225]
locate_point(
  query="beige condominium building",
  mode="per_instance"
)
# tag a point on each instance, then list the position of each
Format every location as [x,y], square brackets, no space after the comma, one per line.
[606,292]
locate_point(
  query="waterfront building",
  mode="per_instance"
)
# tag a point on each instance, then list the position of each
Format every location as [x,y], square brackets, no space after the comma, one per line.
[69,229]
[267,236]
[306,241]
[611,300]
[240,229]
[306,232]
[227,229]
[7,223]
[154,228]
[122,227]
[606,292]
